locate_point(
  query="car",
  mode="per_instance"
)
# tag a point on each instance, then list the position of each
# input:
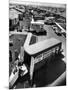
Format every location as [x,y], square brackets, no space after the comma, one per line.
[54,27]
[64,34]
[56,30]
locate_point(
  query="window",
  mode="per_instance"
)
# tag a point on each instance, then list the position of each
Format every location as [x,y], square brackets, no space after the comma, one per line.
[10,56]
[16,55]
[38,58]
[10,44]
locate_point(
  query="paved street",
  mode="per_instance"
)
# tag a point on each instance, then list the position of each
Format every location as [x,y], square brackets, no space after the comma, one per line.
[50,34]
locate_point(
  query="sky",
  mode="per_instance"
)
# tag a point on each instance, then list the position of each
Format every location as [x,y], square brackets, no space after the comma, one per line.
[38,2]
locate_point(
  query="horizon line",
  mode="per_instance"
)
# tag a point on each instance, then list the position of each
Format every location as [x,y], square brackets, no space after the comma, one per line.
[58,5]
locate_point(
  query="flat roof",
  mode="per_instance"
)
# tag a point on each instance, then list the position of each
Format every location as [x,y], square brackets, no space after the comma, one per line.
[13,13]
[37,22]
[19,33]
[39,46]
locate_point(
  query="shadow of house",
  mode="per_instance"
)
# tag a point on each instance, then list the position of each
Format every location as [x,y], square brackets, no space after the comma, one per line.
[49,73]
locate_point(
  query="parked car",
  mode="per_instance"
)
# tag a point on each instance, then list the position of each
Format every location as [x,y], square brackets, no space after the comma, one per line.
[56,30]
[64,34]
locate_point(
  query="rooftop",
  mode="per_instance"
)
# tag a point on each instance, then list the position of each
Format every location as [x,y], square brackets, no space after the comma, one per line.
[39,46]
